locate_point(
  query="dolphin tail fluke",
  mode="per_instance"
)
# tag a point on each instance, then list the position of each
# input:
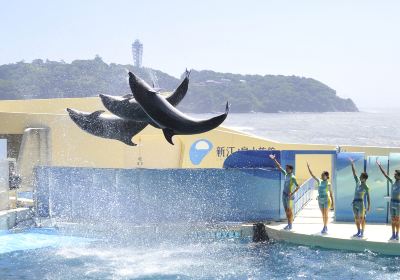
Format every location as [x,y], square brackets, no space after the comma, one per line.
[180,92]
[215,121]
[168,134]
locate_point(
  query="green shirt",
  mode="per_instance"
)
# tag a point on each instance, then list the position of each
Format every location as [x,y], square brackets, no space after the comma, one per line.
[361,189]
[323,188]
[290,182]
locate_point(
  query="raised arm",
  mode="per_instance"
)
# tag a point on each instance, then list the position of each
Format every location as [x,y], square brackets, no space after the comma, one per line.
[383,171]
[353,168]
[278,165]
[312,175]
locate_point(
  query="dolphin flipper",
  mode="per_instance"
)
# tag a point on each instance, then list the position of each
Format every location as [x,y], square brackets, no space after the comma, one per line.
[168,134]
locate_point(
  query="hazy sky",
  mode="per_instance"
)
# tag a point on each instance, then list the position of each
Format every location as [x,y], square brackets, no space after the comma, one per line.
[352,46]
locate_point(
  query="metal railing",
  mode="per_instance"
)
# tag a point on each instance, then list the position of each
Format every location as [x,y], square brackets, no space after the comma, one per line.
[303,195]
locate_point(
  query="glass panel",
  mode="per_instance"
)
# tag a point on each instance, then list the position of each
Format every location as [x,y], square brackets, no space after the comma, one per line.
[394,164]
[378,190]
[345,184]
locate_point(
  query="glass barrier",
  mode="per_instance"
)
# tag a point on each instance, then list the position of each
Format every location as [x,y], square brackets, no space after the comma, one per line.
[303,195]
[158,195]
[378,186]
[394,164]
[345,184]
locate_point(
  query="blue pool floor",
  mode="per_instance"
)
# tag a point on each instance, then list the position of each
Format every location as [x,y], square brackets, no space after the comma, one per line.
[37,238]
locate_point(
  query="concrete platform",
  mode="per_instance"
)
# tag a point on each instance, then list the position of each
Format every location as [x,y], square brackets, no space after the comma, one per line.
[308,225]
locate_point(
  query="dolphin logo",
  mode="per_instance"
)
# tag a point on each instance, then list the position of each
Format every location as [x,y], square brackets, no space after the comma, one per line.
[199,150]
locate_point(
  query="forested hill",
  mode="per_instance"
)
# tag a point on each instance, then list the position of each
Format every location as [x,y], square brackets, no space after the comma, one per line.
[208,90]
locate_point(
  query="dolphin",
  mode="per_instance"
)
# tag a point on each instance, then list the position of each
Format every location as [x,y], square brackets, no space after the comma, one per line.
[110,127]
[167,117]
[127,108]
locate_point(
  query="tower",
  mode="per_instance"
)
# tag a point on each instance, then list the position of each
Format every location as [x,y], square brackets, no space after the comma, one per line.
[137,53]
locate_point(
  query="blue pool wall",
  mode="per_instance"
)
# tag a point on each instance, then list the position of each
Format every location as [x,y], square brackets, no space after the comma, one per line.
[245,190]
[248,188]
[158,195]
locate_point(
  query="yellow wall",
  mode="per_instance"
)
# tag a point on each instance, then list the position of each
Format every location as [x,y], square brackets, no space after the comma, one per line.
[51,106]
[318,164]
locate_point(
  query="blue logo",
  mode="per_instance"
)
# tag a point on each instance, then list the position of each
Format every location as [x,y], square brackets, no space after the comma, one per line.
[199,150]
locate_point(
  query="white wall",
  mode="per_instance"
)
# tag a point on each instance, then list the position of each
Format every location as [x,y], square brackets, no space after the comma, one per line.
[4,202]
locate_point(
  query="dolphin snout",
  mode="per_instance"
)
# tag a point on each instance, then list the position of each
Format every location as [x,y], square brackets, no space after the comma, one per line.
[72,112]
[102,96]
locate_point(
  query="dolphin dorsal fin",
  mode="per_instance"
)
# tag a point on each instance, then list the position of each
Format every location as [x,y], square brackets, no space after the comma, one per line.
[168,134]
[187,73]
[95,114]
[228,106]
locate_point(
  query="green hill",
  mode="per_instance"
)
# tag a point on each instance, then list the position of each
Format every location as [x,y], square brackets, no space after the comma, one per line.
[208,90]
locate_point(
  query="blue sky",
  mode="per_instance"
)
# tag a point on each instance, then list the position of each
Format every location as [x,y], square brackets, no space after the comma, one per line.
[352,46]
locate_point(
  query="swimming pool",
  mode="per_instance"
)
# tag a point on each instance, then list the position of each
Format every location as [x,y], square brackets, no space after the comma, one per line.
[47,254]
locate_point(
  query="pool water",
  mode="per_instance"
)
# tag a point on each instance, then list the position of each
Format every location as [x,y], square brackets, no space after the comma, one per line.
[45,254]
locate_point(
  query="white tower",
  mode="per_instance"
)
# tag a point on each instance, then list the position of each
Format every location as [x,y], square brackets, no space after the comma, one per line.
[137,53]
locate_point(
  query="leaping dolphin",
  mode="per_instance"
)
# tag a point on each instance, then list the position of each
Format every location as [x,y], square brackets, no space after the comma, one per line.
[110,127]
[167,117]
[127,108]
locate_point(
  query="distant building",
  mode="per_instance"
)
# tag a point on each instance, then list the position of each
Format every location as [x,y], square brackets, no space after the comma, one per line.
[137,53]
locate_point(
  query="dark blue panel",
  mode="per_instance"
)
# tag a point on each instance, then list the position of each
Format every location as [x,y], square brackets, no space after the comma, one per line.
[251,159]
